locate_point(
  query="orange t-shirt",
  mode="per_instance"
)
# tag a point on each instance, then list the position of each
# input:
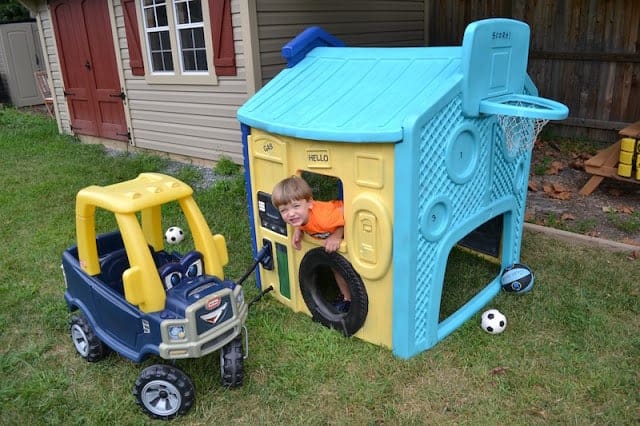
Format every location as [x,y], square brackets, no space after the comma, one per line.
[324,218]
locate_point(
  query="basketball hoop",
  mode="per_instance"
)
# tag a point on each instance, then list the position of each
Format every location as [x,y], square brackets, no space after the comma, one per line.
[522,117]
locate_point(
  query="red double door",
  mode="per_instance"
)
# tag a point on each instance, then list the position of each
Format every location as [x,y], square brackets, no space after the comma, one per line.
[89,68]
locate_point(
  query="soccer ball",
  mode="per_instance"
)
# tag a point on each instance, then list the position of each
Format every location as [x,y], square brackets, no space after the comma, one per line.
[517,278]
[493,322]
[174,235]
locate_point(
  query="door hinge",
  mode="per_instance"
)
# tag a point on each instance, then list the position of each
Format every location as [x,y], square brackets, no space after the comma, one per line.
[128,135]
[64,92]
[120,95]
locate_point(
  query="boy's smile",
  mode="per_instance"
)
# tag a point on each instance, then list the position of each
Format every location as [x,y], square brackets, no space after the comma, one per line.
[296,213]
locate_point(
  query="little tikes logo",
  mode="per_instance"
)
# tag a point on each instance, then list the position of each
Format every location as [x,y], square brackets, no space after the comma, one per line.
[216,311]
[213,303]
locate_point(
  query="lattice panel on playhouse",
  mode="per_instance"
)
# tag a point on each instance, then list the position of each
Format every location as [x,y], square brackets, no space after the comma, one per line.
[465,199]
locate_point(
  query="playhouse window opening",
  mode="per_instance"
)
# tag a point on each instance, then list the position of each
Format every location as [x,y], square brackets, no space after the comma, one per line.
[324,187]
[472,264]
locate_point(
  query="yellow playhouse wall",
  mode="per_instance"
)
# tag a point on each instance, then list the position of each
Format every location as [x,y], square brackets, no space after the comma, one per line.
[366,172]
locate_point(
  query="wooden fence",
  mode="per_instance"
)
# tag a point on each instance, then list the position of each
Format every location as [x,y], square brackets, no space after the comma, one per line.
[583,53]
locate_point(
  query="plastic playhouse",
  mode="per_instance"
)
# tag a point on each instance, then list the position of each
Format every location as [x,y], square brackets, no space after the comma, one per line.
[429,144]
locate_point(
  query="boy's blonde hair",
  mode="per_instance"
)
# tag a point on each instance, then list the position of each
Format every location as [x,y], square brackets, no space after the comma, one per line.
[290,189]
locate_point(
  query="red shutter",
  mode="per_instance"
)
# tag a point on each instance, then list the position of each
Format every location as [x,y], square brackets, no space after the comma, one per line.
[224,53]
[133,37]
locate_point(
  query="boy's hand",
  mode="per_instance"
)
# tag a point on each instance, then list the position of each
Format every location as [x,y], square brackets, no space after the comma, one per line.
[332,243]
[295,240]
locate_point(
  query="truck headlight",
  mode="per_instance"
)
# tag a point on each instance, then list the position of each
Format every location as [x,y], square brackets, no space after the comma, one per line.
[176,332]
[240,297]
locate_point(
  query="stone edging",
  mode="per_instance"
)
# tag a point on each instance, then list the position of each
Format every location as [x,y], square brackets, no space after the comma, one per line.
[583,240]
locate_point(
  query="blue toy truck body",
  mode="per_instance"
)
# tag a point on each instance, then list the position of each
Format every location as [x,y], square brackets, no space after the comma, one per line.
[136,298]
[135,334]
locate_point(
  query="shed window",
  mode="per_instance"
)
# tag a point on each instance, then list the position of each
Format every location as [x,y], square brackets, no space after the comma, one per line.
[158,35]
[184,41]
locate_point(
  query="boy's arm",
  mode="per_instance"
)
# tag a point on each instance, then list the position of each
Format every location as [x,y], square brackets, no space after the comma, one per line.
[332,243]
[297,237]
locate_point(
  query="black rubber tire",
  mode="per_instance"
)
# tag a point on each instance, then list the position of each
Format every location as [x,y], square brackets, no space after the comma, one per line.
[87,344]
[319,290]
[232,363]
[164,392]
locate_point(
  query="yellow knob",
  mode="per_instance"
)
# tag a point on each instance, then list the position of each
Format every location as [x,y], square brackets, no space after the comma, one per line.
[627,144]
[626,157]
[624,170]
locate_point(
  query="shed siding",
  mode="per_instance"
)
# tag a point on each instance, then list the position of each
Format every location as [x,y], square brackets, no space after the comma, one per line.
[188,120]
[200,120]
[4,71]
[52,64]
[356,22]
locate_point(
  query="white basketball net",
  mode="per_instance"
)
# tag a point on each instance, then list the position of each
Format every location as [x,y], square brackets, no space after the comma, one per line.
[520,133]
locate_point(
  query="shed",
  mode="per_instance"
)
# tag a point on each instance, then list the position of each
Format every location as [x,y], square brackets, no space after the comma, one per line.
[413,138]
[112,84]
[20,58]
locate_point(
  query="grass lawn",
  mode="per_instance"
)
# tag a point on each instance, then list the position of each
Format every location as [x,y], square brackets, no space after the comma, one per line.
[570,353]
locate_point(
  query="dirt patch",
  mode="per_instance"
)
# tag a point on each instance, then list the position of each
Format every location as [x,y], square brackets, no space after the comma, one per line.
[557,174]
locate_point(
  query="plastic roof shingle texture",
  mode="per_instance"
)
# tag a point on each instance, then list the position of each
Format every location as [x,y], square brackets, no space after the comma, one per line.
[353,94]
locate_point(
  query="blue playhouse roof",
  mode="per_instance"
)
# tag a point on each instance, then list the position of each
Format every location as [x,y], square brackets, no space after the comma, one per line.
[353,94]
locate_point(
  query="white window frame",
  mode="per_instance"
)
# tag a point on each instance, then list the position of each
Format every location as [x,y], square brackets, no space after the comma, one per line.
[177,76]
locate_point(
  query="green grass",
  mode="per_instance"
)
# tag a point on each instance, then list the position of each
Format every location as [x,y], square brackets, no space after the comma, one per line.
[583,226]
[629,223]
[570,353]
[541,168]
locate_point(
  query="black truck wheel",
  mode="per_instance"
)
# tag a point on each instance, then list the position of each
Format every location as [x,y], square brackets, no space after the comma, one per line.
[320,291]
[164,391]
[232,363]
[88,345]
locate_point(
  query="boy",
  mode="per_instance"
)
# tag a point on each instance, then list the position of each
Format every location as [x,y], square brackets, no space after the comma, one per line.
[321,219]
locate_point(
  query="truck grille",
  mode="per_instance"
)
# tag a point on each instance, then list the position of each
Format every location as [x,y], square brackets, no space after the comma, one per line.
[213,314]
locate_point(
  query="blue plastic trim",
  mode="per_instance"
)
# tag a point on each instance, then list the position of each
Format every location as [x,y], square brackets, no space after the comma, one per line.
[405,238]
[544,108]
[246,131]
[305,42]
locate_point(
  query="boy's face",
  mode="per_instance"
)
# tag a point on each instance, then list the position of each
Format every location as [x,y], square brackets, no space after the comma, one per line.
[296,212]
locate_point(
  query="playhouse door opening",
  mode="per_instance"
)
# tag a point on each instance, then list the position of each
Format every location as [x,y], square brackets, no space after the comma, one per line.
[320,291]
[472,264]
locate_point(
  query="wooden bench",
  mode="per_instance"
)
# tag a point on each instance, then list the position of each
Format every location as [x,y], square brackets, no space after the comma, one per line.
[605,163]
[42,82]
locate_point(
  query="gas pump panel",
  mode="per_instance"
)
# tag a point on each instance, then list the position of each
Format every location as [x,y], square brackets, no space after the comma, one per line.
[269,216]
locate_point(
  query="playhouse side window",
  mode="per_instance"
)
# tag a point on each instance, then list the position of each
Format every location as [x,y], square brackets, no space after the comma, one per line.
[184,41]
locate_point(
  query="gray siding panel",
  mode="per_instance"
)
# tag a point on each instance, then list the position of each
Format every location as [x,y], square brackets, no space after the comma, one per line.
[210,110]
[356,22]
[191,146]
[185,124]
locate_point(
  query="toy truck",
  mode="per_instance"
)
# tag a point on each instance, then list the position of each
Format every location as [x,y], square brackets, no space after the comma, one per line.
[138,299]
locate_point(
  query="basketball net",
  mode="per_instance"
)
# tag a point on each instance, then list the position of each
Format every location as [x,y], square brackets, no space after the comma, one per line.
[520,133]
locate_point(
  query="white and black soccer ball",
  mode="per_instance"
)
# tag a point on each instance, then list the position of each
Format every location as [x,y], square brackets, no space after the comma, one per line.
[174,235]
[493,321]
[517,278]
